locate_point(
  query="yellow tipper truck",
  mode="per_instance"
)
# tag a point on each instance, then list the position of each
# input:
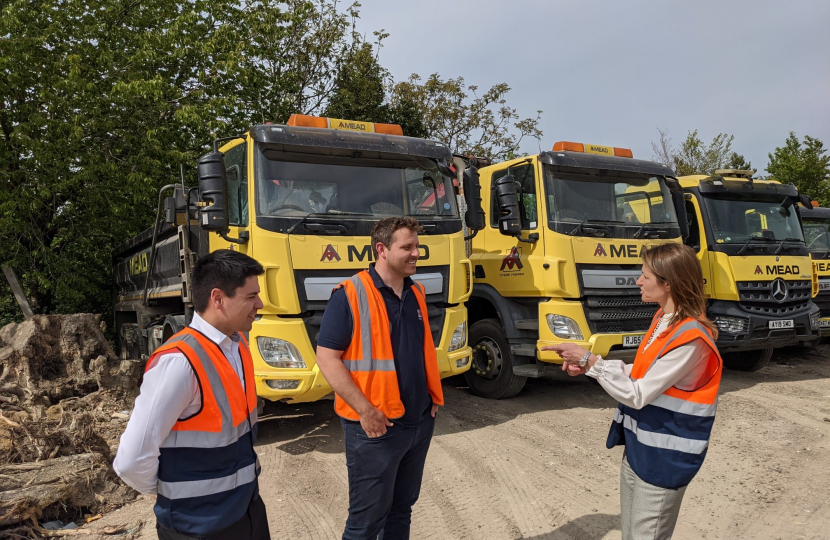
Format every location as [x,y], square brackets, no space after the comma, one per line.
[815,222]
[756,266]
[559,256]
[301,199]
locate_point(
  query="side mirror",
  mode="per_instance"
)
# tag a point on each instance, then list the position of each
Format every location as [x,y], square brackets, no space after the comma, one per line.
[806,201]
[679,201]
[213,189]
[474,217]
[510,223]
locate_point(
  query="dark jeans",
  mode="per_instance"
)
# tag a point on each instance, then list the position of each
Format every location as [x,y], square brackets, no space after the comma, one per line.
[252,526]
[384,479]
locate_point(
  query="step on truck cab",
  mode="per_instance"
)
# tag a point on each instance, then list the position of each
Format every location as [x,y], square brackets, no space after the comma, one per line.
[302,199]
[755,264]
[559,256]
[815,222]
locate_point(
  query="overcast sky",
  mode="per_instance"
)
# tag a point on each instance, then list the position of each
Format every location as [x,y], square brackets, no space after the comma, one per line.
[612,72]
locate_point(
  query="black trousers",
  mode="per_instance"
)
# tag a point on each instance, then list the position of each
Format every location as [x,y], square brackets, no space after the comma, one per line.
[252,526]
[384,479]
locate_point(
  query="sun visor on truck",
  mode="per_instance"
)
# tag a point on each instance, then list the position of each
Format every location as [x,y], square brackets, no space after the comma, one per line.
[582,163]
[724,188]
[370,145]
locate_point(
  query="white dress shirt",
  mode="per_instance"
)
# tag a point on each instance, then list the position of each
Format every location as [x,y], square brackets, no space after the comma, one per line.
[682,367]
[170,392]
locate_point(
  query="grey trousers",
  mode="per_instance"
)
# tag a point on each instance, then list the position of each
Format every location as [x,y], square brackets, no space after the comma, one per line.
[648,512]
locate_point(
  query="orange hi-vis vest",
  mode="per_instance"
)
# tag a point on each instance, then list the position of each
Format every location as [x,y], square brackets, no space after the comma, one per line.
[369,356]
[666,441]
[207,464]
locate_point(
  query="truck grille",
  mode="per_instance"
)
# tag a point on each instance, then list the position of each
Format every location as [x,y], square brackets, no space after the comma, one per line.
[757,297]
[617,312]
[823,303]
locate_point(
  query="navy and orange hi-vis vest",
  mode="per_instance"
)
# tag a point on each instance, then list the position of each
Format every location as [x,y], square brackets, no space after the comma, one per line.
[369,355]
[207,466]
[666,441]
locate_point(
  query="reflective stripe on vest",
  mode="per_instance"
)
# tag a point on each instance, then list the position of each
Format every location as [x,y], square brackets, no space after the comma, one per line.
[369,357]
[207,461]
[201,488]
[666,440]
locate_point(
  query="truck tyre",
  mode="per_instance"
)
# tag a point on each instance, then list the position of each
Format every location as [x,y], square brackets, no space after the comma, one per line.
[747,360]
[491,372]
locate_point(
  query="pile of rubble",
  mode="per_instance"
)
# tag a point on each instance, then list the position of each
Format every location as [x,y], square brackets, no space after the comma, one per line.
[64,402]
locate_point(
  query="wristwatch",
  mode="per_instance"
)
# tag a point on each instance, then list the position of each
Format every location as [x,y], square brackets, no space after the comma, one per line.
[584,360]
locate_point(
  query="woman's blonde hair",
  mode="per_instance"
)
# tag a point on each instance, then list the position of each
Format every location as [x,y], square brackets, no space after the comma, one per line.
[677,266]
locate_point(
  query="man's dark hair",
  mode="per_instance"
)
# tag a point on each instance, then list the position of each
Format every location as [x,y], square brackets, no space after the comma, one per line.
[223,269]
[384,230]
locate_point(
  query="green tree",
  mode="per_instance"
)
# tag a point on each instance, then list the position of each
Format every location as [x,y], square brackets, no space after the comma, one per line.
[471,124]
[737,161]
[102,100]
[359,92]
[694,156]
[804,164]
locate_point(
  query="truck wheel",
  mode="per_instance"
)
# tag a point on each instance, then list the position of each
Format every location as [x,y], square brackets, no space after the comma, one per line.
[747,360]
[491,372]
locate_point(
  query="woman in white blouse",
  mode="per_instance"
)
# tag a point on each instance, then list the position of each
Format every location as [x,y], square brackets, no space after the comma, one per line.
[667,397]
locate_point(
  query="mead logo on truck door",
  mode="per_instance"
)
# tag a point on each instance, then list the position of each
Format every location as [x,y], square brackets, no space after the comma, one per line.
[330,254]
[628,251]
[512,261]
[365,254]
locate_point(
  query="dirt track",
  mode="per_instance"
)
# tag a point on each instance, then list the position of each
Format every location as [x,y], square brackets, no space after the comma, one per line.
[536,467]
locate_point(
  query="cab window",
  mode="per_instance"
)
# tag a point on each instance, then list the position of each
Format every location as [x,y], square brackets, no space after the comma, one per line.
[237,174]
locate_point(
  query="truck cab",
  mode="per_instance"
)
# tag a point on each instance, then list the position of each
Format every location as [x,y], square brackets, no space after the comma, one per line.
[756,265]
[559,256]
[815,222]
[302,199]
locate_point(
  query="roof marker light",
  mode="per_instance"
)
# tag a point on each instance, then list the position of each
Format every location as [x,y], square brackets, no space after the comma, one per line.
[567,146]
[346,125]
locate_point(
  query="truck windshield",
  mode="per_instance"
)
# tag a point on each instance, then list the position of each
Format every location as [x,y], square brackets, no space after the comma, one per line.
[817,235]
[735,221]
[343,186]
[609,207]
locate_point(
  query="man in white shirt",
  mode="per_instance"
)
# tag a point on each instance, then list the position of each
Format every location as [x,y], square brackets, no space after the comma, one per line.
[181,443]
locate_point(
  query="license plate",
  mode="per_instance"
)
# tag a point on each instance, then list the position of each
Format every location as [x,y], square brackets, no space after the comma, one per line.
[824,323]
[632,341]
[782,324]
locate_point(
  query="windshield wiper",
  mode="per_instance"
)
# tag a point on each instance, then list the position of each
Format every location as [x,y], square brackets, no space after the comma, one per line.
[303,219]
[781,247]
[754,239]
[651,224]
[599,222]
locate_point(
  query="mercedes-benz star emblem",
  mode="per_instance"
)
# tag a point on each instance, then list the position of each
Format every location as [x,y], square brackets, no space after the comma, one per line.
[779,290]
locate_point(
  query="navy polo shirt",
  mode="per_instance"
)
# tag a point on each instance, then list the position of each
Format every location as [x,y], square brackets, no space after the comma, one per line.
[407,326]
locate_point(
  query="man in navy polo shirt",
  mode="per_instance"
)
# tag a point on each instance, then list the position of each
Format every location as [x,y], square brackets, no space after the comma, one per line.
[386,438]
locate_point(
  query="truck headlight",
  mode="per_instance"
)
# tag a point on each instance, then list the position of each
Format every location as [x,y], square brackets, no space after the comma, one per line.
[459,337]
[733,325]
[279,353]
[564,327]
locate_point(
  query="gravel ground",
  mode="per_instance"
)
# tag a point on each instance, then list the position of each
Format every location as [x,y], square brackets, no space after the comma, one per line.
[536,467]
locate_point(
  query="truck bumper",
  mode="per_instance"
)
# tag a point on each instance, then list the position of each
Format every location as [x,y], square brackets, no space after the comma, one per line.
[622,346]
[301,385]
[755,331]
